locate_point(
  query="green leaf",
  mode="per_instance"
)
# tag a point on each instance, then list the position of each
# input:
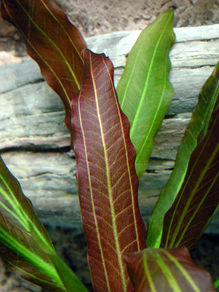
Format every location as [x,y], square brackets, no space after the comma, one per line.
[52,41]
[208,100]
[172,270]
[216,284]
[211,90]
[107,181]
[24,243]
[69,279]
[144,91]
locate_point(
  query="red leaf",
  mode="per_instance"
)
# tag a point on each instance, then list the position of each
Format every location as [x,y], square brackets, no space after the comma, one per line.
[156,270]
[52,41]
[107,180]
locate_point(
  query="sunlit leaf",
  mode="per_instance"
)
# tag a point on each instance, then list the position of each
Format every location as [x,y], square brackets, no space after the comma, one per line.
[162,270]
[144,90]
[107,180]
[52,41]
[208,100]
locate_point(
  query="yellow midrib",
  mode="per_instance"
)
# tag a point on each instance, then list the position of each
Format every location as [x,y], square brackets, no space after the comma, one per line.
[116,237]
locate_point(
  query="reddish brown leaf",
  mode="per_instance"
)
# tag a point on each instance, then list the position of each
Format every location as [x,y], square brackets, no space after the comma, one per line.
[198,197]
[52,41]
[106,177]
[162,270]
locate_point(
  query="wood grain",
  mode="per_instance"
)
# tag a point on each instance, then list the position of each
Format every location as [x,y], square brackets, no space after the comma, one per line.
[34,141]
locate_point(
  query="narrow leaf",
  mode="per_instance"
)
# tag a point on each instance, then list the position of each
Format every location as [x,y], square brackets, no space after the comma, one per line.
[144,90]
[23,239]
[52,41]
[69,279]
[216,284]
[107,180]
[199,121]
[172,270]
[198,197]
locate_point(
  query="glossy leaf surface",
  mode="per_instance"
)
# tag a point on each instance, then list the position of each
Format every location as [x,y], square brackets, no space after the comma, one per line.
[24,243]
[208,100]
[198,197]
[144,90]
[106,175]
[52,41]
[172,270]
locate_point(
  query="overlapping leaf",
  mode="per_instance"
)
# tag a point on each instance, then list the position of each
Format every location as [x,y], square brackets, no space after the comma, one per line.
[107,180]
[52,41]
[208,101]
[172,270]
[144,90]
[198,197]
[24,244]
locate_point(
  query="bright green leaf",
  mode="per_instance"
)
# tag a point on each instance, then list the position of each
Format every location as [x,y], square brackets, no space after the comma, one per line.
[144,90]
[24,243]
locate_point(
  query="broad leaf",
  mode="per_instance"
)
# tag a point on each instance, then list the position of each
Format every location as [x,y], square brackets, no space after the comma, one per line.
[52,41]
[198,197]
[144,91]
[107,180]
[162,270]
[208,100]
[24,244]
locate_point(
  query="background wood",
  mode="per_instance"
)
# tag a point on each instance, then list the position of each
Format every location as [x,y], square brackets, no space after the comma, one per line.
[34,141]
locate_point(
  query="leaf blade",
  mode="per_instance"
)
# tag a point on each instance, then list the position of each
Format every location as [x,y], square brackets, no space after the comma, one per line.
[161,269]
[198,196]
[24,243]
[106,178]
[143,97]
[14,230]
[53,42]
[208,95]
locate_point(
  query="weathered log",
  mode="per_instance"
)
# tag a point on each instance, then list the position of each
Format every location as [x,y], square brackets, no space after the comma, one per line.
[34,141]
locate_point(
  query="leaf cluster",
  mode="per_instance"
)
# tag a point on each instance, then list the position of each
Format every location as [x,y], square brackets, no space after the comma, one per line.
[113,131]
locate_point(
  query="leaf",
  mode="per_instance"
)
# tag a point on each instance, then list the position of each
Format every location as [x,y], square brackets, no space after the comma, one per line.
[213,87]
[216,284]
[208,98]
[24,243]
[106,175]
[198,197]
[144,91]
[52,41]
[69,279]
[172,270]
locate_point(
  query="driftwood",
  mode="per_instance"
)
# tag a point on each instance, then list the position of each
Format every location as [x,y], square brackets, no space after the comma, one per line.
[34,141]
